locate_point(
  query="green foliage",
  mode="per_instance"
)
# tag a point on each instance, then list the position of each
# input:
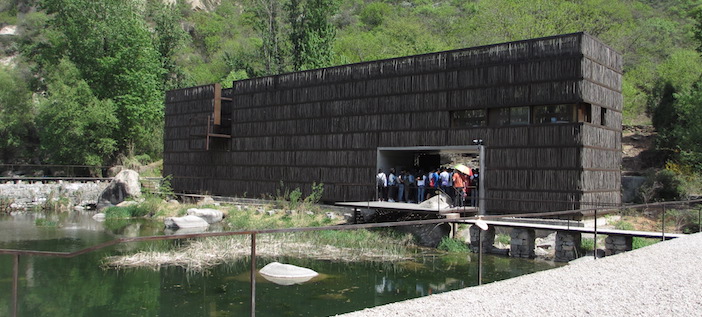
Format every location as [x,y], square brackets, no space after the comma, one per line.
[623,225]
[503,238]
[295,196]
[316,195]
[134,211]
[587,244]
[169,39]
[111,46]
[452,245]
[43,222]
[375,13]
[117,213]
[311,32]
[637,242]
[75,127]
[663,185]
[17,115]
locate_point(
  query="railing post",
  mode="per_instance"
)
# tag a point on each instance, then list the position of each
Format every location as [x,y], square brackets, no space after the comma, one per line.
[594,245]
[480,257]
[253,275]
[663,226]
[15,285]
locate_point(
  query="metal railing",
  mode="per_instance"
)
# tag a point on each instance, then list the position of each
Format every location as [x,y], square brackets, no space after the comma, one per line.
[253,233]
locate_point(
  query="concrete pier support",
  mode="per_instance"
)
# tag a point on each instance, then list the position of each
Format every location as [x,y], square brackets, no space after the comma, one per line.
[488,237]
[522,243]
[567,246]
[618,244]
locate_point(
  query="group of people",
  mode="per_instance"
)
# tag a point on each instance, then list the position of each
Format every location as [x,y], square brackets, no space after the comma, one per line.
[416,186]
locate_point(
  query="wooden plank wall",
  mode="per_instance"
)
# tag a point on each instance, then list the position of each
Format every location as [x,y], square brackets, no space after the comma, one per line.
[325,125]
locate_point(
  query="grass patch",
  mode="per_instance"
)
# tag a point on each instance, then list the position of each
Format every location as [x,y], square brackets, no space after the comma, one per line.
[453,245]
[42,222]
[587,244]
[338,245]
[637,242]
[503,238]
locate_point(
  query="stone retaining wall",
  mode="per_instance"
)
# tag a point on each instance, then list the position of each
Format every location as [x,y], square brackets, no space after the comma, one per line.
[26,195]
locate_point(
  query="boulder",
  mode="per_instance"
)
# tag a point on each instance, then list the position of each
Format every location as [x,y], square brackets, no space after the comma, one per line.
[437,202]
[124,185]
[209,215]
[207,200]
[286,274]
[186,222]
[99,217]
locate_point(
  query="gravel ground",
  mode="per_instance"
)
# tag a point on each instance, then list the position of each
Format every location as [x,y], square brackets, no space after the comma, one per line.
[664,279]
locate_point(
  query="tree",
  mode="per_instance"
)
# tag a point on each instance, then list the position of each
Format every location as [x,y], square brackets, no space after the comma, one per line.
[75,126]
[17,129]
[169,38]
[311,34]
[265,18]
[109,43]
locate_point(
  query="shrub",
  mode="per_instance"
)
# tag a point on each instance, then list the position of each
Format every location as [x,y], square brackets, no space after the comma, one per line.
[42,222]
[664,185]
[316,194]
[637,242]
[503,238]
[452,245]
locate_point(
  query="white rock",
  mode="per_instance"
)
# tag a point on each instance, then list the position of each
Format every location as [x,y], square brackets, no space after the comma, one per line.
[286,274]
[99,217]
[185,222]
[209,215]
[206,201]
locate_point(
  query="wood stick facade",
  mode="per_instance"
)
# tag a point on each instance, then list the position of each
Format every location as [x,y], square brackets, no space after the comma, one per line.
[549,111]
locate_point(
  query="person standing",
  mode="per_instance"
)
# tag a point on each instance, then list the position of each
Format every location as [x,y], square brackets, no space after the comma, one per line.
[381,181]
[444,179]
[475,183]
[401,185]
[411,190]
[459,187]
[421,185]
[392,186]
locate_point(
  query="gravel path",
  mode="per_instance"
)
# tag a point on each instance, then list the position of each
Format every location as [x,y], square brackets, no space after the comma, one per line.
[664,279]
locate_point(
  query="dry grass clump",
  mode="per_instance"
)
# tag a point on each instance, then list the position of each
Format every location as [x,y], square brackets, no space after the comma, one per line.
[198,255]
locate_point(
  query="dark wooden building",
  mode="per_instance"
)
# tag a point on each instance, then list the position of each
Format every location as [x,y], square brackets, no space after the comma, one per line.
[549,112]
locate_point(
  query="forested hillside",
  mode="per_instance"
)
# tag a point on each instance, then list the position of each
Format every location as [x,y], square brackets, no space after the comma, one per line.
[83,80]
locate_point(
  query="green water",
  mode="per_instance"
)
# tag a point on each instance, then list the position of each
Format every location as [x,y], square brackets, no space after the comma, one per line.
[80,287]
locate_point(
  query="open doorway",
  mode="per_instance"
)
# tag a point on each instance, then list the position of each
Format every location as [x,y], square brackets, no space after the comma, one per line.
[428,158]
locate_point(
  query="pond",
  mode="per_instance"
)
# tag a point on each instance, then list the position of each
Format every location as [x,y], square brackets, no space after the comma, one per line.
[81,287]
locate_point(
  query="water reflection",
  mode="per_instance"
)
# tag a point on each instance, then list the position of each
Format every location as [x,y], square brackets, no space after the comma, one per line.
[80,287]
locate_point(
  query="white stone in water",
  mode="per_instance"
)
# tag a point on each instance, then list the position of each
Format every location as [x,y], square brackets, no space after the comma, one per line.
[286,274]
[185,222]
[208,214]
[99,217]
